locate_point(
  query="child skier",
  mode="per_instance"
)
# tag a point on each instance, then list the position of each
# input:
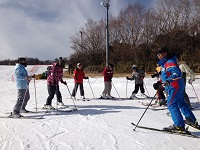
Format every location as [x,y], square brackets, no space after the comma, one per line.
[107,74]
[160,96]
[137,75]
[53,79]
[79,75]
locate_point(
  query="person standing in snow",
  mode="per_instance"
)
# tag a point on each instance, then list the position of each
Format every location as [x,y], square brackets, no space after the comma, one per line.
[185,69]
[137,75]
[56,74]
[171,78]
[160,96]
[79,75]
[108,75]
[22,83]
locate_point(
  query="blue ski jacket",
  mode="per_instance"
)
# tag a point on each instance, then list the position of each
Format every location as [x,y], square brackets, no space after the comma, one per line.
[20,74]
[170,72]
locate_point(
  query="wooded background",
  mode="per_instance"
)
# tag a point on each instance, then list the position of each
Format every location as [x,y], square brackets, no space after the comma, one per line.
[135,34]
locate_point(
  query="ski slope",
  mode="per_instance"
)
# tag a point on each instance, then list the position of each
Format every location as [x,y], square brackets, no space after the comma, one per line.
[97,125]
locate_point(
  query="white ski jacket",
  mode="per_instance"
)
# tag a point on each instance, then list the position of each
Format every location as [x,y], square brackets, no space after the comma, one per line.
[186,69]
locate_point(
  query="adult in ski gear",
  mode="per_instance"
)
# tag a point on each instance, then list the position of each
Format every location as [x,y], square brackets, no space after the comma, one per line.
[79,75]
[171,78]
[22,83]
[185,69]
[137,75]
[56,74]
[107,74]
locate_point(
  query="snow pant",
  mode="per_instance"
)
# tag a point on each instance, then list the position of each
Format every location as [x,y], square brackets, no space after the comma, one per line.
[175,102]
[22,99]
[107,88]
[76,85]
[52,90]
[187,100]
[137,86]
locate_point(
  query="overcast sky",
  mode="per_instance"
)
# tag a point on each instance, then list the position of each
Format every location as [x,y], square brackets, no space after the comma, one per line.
[41,28]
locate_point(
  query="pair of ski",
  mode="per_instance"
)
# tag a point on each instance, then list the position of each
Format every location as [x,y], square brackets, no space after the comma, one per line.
[38,117]
[85,99]
[155,106]
[60,109]
[113,98]
[186,133]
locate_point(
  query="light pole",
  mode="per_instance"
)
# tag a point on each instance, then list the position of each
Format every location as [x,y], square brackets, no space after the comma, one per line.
[81,40]
[106,4]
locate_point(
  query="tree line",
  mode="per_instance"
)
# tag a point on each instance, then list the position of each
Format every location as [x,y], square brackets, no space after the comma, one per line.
[136,33]
[134,36]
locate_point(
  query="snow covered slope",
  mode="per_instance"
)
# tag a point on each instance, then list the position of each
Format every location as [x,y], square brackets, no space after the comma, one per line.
[97,125]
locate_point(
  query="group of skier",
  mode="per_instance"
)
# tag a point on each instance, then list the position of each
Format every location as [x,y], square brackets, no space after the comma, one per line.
[172,80]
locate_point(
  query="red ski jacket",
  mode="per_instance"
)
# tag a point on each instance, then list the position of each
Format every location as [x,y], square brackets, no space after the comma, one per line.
[108,74]
[79,75]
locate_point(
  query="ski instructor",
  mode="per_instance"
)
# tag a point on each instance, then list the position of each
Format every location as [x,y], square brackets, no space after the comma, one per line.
[174,85]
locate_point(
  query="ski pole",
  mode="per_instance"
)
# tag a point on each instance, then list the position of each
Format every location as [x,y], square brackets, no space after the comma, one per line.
[57,98]
[35,95]
[195,92]
[71,97]
[145,111]
[126,88]
[91,88]
[115,89]
[146,89]
[94,81]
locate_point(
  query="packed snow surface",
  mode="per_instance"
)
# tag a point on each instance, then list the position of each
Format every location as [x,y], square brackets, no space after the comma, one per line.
[97,124]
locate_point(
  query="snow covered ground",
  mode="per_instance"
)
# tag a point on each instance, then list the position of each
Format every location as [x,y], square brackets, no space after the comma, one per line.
[97,125]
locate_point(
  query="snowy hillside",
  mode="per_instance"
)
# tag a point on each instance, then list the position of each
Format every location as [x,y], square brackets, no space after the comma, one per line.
[96,125]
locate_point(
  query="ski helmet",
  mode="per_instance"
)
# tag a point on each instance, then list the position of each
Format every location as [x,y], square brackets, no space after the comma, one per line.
[134,67]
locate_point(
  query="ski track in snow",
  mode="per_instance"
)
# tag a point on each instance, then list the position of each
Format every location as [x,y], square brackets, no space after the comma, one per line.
[97,125]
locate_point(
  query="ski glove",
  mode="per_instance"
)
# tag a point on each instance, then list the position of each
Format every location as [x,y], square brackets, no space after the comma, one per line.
[86,77]
[29,78]
[190,81]
[166,83]
[109,79]
[155,75]
[127,78]
[33,76]
[157,85]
